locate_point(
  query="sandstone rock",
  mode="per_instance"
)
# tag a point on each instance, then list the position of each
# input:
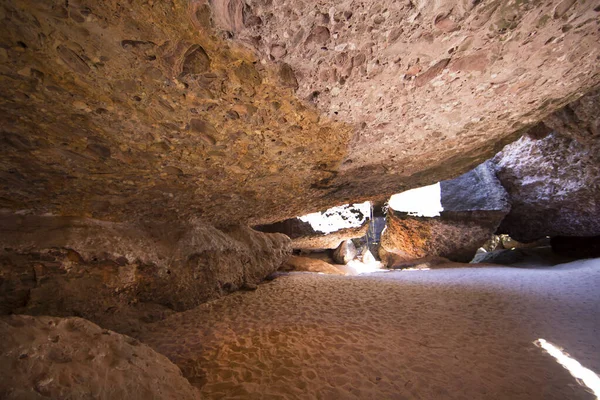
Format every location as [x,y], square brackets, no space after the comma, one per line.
[60,358]
[306,264]
[100,98]
[435,88]
[455,236]
[553,187]
[137,273]
[579,120]
[474,205]
[345,252]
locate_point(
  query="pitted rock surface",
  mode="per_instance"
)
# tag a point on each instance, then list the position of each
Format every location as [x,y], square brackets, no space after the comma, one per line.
[71,358]
[553,187]
[259,111]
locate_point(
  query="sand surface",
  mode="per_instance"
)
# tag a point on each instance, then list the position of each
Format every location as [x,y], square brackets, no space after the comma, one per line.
[439,334]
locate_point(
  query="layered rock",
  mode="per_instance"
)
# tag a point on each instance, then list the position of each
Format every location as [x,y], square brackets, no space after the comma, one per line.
[553,187]
[71,358]
[121,275]
[179,109]
[474,205]
[307,237]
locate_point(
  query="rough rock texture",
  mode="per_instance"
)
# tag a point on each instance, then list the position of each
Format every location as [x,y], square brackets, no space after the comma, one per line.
[162,110]
[120,275]
[455,236]
[345,252]
[304,237]
[142,111]
[474,205]
[433,87]
[579,120]
[477,190]
[554,187]
[306,264]
[71,358]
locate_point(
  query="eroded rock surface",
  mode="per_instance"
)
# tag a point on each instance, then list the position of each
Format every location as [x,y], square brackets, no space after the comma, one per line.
[259,111]
[121,275]
[553,187]
[579,120]
[474,205]
[71,358]
[433,87]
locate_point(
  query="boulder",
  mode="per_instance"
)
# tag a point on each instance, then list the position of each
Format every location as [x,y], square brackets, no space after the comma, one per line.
[307,264]
[137,273]
[474,205]
[345,252]
[553,187]
[72,358]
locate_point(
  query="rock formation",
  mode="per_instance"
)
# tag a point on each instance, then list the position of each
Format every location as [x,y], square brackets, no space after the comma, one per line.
[71,358]
[433,88]
[140,139]
[553,187]
[305,237]
[307,264]
[52,265]
[474,205]
[345,252]
[579,120]
[259,111]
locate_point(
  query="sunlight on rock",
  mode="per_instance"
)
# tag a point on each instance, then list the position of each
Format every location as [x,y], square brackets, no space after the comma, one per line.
[341,217]
[425,201]
[364,268]
[583,375]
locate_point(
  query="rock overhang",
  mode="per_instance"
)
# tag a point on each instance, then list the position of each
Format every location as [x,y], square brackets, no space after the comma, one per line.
[174,110]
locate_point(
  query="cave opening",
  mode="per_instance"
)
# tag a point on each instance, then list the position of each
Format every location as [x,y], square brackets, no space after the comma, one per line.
[221,199]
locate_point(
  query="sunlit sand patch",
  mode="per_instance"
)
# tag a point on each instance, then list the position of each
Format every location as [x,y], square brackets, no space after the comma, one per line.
[584,376]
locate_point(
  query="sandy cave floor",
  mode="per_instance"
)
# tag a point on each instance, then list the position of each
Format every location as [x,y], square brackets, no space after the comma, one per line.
[439,334]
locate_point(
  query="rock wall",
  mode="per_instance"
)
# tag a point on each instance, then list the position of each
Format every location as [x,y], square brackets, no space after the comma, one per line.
[256,111]
[553,184]
[121,275]
[71,358]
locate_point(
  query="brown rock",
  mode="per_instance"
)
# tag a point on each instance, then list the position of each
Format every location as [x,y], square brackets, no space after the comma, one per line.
[305,264]
[138,272]
[76,359]
[345,252]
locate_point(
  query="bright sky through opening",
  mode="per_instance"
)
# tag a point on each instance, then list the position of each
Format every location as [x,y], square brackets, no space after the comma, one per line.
[425,201]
